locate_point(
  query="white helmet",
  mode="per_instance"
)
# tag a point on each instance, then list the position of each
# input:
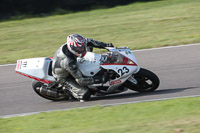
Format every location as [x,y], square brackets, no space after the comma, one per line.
[77,44]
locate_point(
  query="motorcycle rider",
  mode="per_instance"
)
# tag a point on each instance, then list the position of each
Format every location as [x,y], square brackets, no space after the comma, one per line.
[64,65]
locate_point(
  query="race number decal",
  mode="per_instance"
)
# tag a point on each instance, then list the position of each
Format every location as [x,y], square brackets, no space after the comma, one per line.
[123,71]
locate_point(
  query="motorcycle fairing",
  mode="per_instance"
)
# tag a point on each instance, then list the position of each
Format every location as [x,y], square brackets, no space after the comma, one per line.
[89,65]
[122,61]
[125,52]
[41,80]
[112,85]
[35,68]
[125,64]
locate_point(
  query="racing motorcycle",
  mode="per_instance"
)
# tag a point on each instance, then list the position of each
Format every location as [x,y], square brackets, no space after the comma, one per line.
[118,68]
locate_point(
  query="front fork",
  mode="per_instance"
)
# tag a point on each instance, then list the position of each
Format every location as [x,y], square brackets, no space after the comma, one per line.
[132,80]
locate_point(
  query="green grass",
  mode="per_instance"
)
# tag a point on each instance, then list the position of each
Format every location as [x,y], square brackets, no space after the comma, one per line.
[170,116]
[138,26]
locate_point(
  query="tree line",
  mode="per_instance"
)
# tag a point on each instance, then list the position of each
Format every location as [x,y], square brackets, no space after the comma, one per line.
[9,8]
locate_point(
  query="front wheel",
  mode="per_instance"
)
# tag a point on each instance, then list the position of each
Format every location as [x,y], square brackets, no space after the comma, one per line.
[55,95]
[147,81]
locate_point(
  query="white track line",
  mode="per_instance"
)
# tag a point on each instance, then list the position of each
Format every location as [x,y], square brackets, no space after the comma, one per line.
[186,45]
[7,65]
[151,100]
[168,47]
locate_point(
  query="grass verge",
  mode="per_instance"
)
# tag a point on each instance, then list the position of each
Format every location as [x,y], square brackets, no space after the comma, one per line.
[177,115]
[137,25]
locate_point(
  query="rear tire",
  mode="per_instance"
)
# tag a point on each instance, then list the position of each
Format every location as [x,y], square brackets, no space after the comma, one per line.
[36,85]
[147,81]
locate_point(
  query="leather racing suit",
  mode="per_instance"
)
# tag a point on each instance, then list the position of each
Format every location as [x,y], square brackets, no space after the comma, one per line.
[64,66]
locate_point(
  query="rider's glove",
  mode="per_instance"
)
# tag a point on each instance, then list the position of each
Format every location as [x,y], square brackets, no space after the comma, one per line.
[110,45]
[89,48]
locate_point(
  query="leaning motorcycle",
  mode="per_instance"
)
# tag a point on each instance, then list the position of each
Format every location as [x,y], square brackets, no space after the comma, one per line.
[118,68]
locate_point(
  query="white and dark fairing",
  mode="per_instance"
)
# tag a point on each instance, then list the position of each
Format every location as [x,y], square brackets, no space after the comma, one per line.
[92,63]
[120,60]
[119,66]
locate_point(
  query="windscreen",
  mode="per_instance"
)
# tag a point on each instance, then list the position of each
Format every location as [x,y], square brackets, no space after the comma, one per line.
[114,57]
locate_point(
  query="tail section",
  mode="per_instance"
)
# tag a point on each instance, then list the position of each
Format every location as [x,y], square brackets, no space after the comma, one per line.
[35,68]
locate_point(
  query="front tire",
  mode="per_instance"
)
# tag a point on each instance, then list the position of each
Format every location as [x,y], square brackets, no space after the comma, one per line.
[36,85]
[147,81]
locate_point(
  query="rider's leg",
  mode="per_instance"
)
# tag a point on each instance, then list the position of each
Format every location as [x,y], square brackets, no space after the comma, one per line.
[79,92]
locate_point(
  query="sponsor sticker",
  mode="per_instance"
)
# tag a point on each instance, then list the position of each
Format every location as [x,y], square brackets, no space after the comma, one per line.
[18,64]
[115,82]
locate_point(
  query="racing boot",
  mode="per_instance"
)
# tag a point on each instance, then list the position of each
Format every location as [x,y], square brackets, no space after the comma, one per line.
[79,92]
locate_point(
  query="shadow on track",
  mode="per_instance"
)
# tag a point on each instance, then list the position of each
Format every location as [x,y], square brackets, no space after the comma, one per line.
[136,94]
[131,94]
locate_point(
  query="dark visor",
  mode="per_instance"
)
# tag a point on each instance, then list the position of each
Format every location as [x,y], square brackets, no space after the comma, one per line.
[81,49]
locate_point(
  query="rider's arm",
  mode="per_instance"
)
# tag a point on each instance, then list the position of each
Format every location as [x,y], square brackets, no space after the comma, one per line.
[70,65]
[98,44]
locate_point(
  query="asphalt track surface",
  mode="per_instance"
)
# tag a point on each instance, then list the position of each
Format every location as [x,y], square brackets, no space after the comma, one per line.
[177,67]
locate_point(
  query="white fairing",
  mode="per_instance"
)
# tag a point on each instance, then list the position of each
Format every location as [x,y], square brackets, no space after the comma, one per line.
[123,70]
[35,67]
[92,63]
[124,51]
[120,60]
[89,65]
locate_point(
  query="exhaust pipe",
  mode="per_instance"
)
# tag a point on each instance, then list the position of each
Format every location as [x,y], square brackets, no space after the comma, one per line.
[43,90]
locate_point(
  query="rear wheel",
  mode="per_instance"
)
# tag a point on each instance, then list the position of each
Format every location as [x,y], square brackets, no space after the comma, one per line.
[147,81]
[50,94]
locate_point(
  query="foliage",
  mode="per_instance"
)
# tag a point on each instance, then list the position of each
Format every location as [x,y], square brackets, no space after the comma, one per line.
[12,8]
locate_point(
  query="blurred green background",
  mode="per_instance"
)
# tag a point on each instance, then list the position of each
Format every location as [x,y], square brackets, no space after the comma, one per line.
[137,25]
